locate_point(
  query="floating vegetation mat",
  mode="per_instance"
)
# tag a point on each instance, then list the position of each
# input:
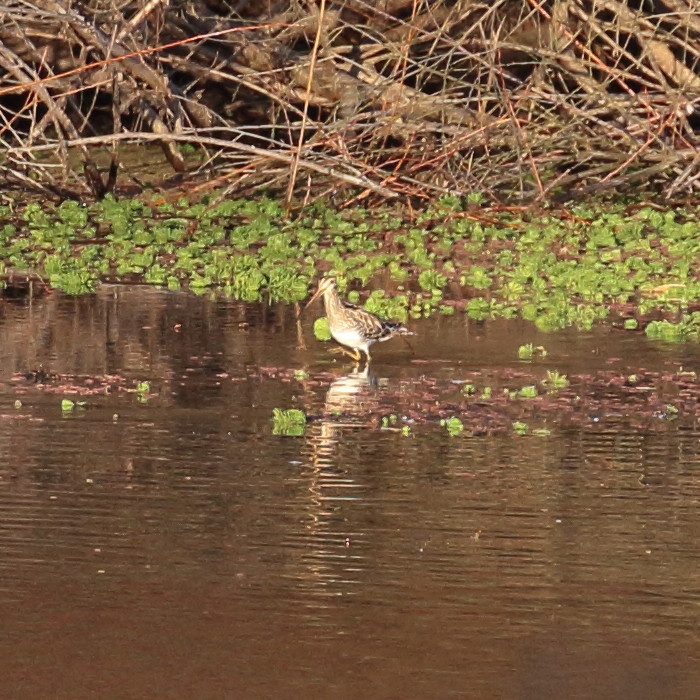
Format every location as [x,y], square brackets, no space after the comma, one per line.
[630,263]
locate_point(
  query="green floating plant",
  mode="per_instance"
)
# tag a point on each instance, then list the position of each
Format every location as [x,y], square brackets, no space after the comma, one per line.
[555,272]
[389,421]
[529,351]
[143,390]
[322,330]
[527,392]
[290,422]
[688,328]
[452,425]
[431,281]
[478,309]
[555,381]
[395,307]
[68,405]
[476,276]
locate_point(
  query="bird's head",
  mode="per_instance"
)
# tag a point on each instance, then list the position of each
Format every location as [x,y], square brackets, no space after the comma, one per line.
[327,284]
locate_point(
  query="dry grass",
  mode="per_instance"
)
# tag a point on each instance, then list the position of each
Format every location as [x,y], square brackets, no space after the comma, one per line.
[517,99]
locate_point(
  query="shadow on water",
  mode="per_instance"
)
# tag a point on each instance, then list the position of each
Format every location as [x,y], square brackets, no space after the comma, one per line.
[166,539]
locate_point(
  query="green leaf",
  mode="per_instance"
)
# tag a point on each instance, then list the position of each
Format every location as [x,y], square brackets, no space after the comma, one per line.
[453,425]
[322,330]
[290,422]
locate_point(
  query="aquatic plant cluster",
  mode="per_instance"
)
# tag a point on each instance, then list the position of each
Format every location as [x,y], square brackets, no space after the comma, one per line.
[518,401]
[572,267]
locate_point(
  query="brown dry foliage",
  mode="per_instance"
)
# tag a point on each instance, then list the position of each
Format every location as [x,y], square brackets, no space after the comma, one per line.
[527,99]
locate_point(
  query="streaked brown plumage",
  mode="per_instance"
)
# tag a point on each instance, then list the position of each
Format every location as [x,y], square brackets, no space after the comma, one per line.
[352,326]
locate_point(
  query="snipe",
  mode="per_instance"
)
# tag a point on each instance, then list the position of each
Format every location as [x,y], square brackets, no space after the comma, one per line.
[352,326]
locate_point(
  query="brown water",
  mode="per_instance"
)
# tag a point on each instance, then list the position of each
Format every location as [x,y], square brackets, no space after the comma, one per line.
[175,548]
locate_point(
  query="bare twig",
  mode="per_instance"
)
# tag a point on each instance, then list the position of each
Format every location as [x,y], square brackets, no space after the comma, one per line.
[399,98]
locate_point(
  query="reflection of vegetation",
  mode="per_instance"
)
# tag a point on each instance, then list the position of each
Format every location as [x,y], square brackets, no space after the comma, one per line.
[289,421]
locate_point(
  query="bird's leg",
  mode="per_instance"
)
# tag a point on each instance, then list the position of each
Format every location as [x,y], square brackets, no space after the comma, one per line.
[355,354]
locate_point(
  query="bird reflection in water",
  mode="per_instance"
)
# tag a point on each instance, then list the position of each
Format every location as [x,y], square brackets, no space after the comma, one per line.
[333,488]
[350,402]
[353,393]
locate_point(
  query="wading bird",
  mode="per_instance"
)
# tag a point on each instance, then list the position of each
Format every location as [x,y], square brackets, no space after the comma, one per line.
[351,326]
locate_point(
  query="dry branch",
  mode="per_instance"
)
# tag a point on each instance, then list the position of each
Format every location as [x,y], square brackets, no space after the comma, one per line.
[515,98]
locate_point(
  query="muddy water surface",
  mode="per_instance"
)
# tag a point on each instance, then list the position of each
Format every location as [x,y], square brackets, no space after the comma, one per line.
[168,545]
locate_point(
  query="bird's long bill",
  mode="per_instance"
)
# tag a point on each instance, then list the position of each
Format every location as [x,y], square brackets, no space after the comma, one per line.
[316,295]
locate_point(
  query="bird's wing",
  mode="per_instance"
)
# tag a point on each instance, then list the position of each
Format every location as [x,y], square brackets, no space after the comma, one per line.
[375,328]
